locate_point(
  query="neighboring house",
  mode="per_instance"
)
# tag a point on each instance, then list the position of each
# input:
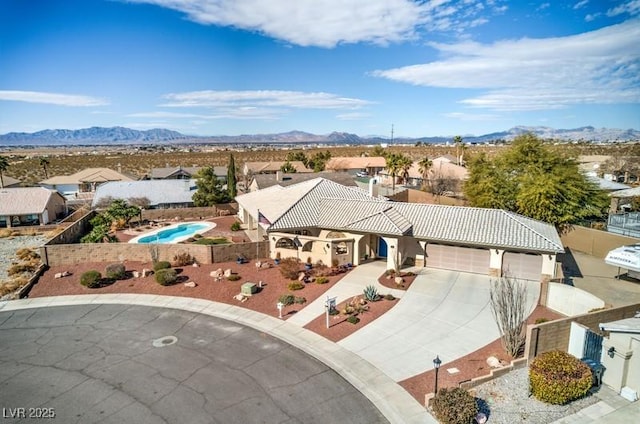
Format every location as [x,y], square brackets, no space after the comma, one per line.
[30,206]
[366,165]
[444,175]
[184,173]
[84,183]
[262,181]
[8,182]
[323,220]
[253,168]
[161,194]
[621,356]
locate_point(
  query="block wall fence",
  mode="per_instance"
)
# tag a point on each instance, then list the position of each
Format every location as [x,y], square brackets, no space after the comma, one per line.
[594,242]
[555,334]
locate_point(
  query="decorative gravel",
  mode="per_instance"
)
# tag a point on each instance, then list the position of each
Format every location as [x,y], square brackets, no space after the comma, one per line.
[506,400]
[9,246]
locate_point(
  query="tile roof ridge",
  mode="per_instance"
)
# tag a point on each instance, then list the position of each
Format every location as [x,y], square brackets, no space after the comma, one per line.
[515,217]
[313,187]
[382,212]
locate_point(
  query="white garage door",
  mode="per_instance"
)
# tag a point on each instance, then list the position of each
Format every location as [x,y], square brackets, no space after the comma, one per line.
[522,265]
[456,258]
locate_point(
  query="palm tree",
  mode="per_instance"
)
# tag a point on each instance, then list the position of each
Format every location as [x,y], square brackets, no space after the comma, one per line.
[424,166]
[44,162]
[4,164]
[404,165]
[392,161]
[457,141]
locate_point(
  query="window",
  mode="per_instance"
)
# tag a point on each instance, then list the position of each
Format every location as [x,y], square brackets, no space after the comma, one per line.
[335,234]
[285,243]
[341,248]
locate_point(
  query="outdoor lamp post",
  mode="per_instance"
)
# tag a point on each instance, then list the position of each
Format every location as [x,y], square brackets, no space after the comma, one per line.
[280,305]
[436,365]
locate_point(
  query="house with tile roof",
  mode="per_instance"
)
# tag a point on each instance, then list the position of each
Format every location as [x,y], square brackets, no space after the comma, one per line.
[369,165]
[30,206]
[160,194]
[443,172]
[254,168]
[183,172]
[83,183]
[328,222]
[8,182]
[262,181]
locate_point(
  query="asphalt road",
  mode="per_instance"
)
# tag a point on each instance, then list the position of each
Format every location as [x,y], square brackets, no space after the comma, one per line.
[136,364]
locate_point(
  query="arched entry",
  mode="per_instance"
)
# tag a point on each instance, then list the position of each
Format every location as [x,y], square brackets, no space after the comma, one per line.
[382,248]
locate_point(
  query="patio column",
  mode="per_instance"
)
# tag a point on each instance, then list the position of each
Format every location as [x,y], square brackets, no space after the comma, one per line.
[356,248]
[393,261]
[495,262]
[423,256]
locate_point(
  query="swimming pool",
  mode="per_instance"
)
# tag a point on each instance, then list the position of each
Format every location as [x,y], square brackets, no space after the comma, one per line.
[173,233]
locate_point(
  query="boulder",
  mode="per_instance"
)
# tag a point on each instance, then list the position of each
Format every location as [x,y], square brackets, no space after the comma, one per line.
[399,280]
[227,273]
[266,265]
[302,276]
[190,284]
[195,265]
[217,273]
[493,362]
[146,272]
[135,274]
[66,273]
[58,275]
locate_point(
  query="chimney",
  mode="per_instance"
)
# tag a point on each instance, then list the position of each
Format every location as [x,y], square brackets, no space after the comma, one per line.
[373,187]
[278,176]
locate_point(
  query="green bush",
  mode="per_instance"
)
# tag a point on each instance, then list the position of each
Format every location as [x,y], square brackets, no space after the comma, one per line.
[166,276]
[235,226]
[389,296]
[353,319]
[557,377]
[115,272]
[295,285]
[289,299]
[211,241]
[322,280]
[233,277]
[91,279]
[371,294]
[161,265]
[454,406]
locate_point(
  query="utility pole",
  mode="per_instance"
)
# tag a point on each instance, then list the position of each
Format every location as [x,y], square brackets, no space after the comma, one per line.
[391,133]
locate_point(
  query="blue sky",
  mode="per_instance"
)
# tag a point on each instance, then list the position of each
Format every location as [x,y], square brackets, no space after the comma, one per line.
[214,67]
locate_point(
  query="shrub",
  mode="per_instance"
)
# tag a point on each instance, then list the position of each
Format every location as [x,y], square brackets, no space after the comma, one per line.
[289,268]
[91,279]
[26,254]
[233,277]
[289,299]
[166,276]
[235,226]
[353,319]
[390,272]
[115,271]
[335,263]
[295,285]
[211,241]
[371,293]
[161,265]
[183,259]
[454,406]
[197,236]
[322,280]
[5,233]
[21,268]
[389,296]
[557,377]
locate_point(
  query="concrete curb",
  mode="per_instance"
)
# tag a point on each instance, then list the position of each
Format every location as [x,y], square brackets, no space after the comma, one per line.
[389,397]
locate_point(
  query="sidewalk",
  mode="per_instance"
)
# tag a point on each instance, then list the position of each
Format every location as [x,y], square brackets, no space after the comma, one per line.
[611,409]
[390,398]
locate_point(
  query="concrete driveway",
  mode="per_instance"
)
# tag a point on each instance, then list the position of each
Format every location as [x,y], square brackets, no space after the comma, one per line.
[443,313]
[139,364]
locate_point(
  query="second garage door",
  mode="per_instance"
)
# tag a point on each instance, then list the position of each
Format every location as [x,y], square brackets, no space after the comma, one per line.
[522,265]
[457,258]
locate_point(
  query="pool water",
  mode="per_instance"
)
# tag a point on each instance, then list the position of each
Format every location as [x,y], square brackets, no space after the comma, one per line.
[174,234]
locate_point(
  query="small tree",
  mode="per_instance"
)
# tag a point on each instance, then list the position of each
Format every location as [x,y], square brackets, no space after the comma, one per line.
[231,177]
[288,168]
[508,298]
[44,162]
[210,191]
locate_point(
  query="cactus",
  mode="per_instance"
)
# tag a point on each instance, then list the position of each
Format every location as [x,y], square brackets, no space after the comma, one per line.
[371,293]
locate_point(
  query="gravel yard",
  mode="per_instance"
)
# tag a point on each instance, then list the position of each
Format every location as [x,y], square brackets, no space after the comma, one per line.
[9,246]
[507,401]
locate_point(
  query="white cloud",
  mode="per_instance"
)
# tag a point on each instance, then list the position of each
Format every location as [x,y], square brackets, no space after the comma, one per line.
[353,116]
[251,99]
[592,17]
[326,23]
[51,98]
[601,66]
[543,6]
[580,4]
[631,7]
[166,115]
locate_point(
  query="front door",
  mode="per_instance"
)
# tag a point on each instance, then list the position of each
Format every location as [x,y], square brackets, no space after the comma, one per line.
[382,248]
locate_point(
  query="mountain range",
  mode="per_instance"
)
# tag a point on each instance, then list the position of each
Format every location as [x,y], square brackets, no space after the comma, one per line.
[121,135]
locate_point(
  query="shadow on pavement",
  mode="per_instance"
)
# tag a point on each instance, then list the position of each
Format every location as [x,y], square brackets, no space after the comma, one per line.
[570,267]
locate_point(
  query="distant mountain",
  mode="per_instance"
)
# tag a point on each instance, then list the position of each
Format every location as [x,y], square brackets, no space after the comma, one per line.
[121,135]
[93,135]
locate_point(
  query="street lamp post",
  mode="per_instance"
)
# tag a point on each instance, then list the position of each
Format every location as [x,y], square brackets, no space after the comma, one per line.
[436,365]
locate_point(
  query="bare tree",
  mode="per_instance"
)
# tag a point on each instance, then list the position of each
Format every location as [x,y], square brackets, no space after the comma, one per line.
[508,298]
